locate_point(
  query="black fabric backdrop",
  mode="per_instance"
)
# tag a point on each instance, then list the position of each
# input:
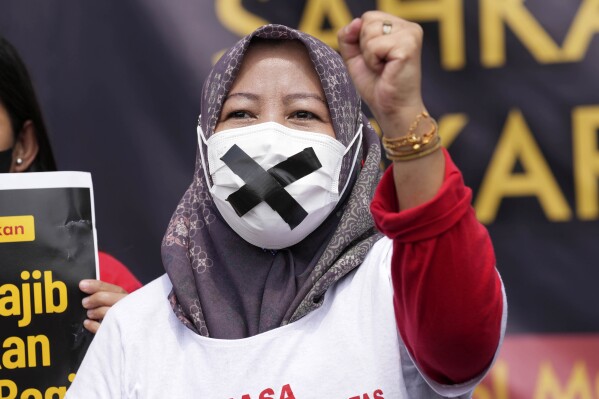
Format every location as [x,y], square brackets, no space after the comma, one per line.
[120,82]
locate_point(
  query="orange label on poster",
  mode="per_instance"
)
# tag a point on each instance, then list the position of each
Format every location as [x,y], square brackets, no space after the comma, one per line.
[17,228]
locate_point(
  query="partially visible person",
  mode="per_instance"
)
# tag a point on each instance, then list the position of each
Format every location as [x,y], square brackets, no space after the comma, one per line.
[25,147]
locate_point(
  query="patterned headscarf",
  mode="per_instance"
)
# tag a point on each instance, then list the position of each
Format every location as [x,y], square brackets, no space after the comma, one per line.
[225,287]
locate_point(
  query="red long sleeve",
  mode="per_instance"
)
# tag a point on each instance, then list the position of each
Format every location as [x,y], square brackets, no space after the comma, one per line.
[447,293]
[114,272]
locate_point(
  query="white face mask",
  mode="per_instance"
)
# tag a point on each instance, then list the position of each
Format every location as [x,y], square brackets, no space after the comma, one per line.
[274,185]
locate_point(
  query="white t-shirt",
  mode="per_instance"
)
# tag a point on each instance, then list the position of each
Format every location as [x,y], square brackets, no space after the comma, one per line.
[349,348]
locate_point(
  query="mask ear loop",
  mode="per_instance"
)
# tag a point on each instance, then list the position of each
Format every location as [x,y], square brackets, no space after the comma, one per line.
[202,139]
[358,135]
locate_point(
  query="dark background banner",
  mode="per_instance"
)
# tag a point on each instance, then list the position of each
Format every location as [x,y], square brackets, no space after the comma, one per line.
[514,85]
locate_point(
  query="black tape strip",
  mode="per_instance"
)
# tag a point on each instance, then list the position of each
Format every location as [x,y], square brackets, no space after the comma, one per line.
[268,186]
[241,163]
[260,186]
[286,172]
[295,167]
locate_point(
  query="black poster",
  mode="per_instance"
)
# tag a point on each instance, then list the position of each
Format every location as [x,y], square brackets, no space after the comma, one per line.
[47,245]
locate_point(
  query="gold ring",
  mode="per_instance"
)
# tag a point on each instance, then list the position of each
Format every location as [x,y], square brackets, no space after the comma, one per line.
[387,25]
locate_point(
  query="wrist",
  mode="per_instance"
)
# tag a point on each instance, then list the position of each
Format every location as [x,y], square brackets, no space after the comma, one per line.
[398,123]
[421,139]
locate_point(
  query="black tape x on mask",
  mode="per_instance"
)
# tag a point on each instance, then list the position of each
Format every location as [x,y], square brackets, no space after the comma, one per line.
[274,185]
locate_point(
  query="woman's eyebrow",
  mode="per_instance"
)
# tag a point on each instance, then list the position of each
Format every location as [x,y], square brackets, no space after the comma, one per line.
[249,96]
[300,96]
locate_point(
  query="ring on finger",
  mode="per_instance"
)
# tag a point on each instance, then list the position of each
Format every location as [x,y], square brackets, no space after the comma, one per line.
[387,25]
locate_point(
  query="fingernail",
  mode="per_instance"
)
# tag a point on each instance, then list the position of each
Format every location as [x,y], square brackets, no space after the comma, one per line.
[83,284]
[84,302]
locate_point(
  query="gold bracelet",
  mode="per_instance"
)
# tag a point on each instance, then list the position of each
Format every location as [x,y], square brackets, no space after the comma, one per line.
[414,155]
[411,142]
[409,146]
[411,139]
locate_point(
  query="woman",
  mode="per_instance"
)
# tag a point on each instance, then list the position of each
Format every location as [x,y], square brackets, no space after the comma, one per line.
[278,284]
[25,147]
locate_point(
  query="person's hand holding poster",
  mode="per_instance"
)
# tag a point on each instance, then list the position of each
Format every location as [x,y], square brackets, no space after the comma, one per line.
[47,245]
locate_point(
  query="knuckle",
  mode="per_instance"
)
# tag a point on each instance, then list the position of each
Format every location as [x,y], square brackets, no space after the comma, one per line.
[417,31]
[103,297]
[402,57]
[368,15]
[416,27]
[412,45]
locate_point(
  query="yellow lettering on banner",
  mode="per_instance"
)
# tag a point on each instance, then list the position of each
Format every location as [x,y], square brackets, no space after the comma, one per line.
[21,354]
[498,377]
[15,302]
[482,392]
[14,357]
[11,387]
[449,13]
[31,393]
[10,302]
[37,292]
[44,343]
[316,12]
[375,125]
[55,393]
[26,297]
[585,25]
[578,385]
[49,287]
[585,124]
[450,126]
[236,18]
[517,143]
[494,14]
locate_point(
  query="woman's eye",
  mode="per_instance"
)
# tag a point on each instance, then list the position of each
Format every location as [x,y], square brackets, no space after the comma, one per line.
[304,115]
[238,114]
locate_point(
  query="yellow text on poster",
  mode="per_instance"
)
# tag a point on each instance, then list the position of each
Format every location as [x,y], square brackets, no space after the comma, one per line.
[17,228]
